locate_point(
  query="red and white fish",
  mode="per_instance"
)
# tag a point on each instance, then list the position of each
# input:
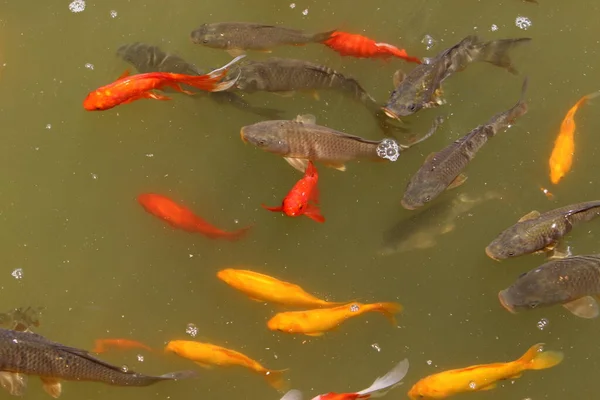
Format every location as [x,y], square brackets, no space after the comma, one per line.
[354,45]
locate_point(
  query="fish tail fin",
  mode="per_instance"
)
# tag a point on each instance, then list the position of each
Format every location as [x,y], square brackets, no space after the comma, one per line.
[400,53]
[389,310]
[496,52]
[536,358]
[311,170]
[293,394]
[387,382]
[176,376]
[587,98]
[276,379]
[237,234]
[521,107]
[210,82]
[322,36]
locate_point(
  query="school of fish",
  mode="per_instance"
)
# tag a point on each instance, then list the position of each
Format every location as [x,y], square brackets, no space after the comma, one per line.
[435,208]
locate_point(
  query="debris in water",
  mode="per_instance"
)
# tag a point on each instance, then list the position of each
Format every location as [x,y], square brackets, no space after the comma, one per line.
[191,330]
[17,273]
[305,12]
[48,126]
[428,41]
[293,5]
[542,323]
[376,347]
[523,23]
[77,6]
[89,66]
[113,13]
[494,28]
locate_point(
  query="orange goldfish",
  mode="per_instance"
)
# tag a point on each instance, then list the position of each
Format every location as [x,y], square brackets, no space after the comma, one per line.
[564,147]
[317,322]
[350,44]
[261,287]
[130,88]
[482,377]
[103,345]
[208,355]
[181,217]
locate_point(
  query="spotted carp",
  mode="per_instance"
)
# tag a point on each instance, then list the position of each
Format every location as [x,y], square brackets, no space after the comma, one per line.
[235,37]
[26,353]
[421,88]
[573,282]
[538,233]
[443,170]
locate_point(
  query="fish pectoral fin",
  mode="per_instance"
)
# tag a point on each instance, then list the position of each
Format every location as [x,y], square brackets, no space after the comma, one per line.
[459,180]
[487,387]
[314,334]
[530,215]
[559,254]
[13,383]
[52,386]
[398,77]
[584,307]
[298,163]
[155,96]
[306,119]
[236,52]
[203,365]
[314,213]
[448,228]
[315,95]
[339,167]
[257,300]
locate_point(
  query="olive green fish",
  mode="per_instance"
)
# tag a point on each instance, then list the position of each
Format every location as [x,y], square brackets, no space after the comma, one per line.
[301,140]
[442,170]
[422,230]
[421,88]
[148,58]
[26,353]
[286,75]
[538,233]
[235,37]
[573,282]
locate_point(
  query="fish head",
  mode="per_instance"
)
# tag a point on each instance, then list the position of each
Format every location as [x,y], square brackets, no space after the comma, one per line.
[97,101]
[403,102]
[513,242]
[267,136]
[536,288]
[174,346]
[207,35]
[419,192]
[423,389]
[226,275]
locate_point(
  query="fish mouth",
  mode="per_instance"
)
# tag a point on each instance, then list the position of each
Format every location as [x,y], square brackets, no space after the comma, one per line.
[390,113]
[408,206]
[504,303]
[243,136]
[489,253]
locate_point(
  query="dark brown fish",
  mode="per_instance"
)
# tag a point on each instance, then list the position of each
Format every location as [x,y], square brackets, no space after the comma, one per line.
[573,282]
[421,88]
[25,353]
[536,232]
[287,75]
[301,140]
[239,36]
[442,170]
[148,58]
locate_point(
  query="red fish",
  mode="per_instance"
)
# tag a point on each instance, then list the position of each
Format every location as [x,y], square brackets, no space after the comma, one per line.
[130,88]
[350,44]
[103,345]
[182,218]
[297,201]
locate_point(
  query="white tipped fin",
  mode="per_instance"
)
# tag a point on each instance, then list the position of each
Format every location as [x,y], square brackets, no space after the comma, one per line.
[293,395]
[225,67]
[298,163]
[13,383]
[387,382]
[306,119]
[585,307]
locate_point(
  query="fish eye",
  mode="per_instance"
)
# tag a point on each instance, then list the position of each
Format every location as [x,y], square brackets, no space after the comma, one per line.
[205,41]
[412,107]
[534,304]
[522,275]
[427,199]
[511,254]
[262,142]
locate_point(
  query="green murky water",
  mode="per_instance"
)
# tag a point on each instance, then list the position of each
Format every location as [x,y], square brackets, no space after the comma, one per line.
[105,268]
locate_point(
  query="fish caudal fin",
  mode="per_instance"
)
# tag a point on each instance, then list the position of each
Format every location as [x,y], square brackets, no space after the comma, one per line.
[276,379]
[496,52]
[387,382]
[396,52]
[389,310]
[293,394]
[536,358]
[209,82]
[235,235]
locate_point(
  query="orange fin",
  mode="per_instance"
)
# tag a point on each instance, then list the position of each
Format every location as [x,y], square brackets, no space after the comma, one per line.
[124,74]
[203,365]
[536,359]
[155,96]
[315,334]
[459,180]
[314,213]
[276,379]
[280,208]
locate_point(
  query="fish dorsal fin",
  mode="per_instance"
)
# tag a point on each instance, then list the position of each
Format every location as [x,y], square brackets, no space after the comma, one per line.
[124,74]
[530,215]
[306,119]
[584,307]
[430,157]
[398,77]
